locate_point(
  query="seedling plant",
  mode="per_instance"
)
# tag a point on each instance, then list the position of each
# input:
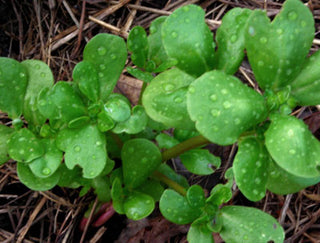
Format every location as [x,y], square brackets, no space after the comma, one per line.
[80,134]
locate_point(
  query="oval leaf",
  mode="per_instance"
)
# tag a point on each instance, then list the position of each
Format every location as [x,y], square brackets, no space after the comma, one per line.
[5,133]
[13,84]
[277,50]
[117,109]
[165,99]
[108,53]
[138,46]
[138,205]
[195,196]
[140,157]
[293,147]
[199,233]
[194,52]
[223,107]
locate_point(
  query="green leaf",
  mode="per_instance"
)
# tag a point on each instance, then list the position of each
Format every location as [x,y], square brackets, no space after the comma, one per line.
[165,99]
[306,86]
[108,53]
[105,122]
[223,107]
[183,135]
[85,147]
[277,50]
[200,161]
[293,147]
[71,178]
[249,225]
[281,182]
[250,168]
[135,124]
[153,188]
[139,74]
[230,40]
[166,141]
[85,75]
[13,84]
[199,234]
[171,174]
[138,205]
[176,208]
[195,196]
[138,46]
[117,109]
[24,146]
[140,157]
[194,52]
[219,194]
[79,122]
[117,196]
[5,133]
[39,77]
[101,185]
[36,183]
[61,103]
[49,162]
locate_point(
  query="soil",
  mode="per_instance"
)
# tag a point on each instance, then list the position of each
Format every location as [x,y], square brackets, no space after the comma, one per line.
[56,31]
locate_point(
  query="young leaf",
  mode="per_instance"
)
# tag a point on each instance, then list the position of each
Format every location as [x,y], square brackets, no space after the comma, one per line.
[138,46]
[13,84]
[85,147]
[108,53]
[24,146]
[105,122]
[195,196]
[306,86]
[139,74]
[152,188]
[39,77]
[5,133]
[183,135]
[230,40]
[281,182]
[85,75]
[166,141]
[101,185]
[165,99]
[249,225]
[140,157]
[200,161]
[171,174]
[176,208]
[117,109]
[71,178]
[135,124]
[49,162]
[223,107]
[138,205]
[293,147]
[36,183]
[277,50]
[61,103]
[199,233]
[194,52]
[250,168]
[117,195]
[219,194]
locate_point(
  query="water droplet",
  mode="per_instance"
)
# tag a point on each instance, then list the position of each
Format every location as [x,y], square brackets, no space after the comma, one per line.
[303,23]
[257,180]
[168,87]
[187,20]
[215,128]
[192,90]
[263,40]
[233,38]
[113,57]
[94,157]
[245,237]
[215,113]
[292,15]
[226,104]
[224,91]
[197,45]
[255,192]
[186,8]
[21,151]
[237,121]
[213,97]
[144,160]
[292,151]
[244,171]
[100,75]
[260,63]
[174,34]
[22,75]
[251,31]
[288,71]
[178,100]
[102,66]
[200,117]
[37,66]
[279,31]
[77,148]
[102,51]
[258,164]
[46,171]
[42,75]
[290,132]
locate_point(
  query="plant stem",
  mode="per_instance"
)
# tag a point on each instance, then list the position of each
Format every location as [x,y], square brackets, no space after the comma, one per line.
[174,185]
[184,146]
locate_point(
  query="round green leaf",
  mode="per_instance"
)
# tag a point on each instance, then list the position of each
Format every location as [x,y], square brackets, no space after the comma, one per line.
[194,52]
[49,162]
[108,54]
[85,75]
[277,50]
[219,194]
[200,161]
[176,208]
[195,196]
[199,234]
[24,146]
[85,147]
[39,77]
[138,205]
[281,182]
[293,147]
[230,40]
[250,168]
[105,122]
[165,99]
[138,46]
[140,157]
[223,107]
[246,224]
[36,183]
[5,133]
[13,84]
[166,141]
[152,188]
[117,109]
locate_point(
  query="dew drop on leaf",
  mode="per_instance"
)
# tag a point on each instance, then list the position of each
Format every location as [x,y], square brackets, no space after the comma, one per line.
[263,40]
[251,31]
[174,34]
[77,148]
[46,171]
[233,38]
[102,51]
[213,97]
[226,104]
[292,15]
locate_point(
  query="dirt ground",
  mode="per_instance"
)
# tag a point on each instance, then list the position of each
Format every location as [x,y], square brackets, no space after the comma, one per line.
[56,31]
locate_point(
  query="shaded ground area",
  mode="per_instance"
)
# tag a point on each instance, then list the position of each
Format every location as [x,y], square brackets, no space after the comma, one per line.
[55,31]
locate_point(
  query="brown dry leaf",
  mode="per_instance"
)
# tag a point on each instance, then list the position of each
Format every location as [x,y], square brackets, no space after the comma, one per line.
[129,87]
